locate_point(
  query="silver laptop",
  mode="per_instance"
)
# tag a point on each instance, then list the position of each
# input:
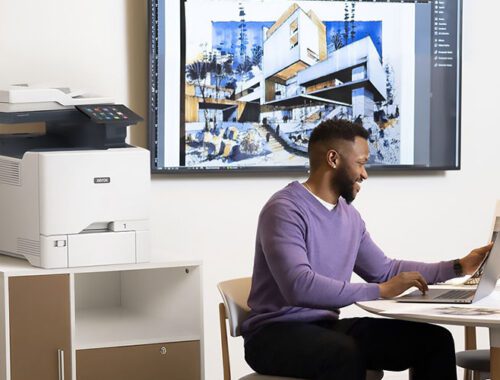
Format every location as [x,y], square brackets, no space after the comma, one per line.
[491,273]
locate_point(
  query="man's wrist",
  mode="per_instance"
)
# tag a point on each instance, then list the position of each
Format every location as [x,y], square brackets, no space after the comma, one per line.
[458,268]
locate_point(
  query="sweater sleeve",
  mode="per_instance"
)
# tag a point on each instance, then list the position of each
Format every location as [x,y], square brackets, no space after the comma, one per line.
[373,266]
[282,232]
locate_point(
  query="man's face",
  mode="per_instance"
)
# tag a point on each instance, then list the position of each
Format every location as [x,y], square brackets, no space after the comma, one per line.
[350,171]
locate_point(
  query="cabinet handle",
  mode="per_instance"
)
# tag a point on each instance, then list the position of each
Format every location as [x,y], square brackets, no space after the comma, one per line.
[60,361]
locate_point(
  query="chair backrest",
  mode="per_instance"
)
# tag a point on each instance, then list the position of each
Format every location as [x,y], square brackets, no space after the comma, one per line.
[235,309]
[235,295]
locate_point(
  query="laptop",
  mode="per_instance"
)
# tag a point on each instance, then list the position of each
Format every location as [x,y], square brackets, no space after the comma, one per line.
[487,283]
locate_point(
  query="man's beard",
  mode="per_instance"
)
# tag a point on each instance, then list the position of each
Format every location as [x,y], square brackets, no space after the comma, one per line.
[345,185]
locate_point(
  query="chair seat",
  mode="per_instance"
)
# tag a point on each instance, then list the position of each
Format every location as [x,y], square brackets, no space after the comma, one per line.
[370,375]
[476,360]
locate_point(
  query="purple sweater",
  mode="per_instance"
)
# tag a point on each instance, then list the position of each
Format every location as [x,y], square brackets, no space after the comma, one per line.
[305,256]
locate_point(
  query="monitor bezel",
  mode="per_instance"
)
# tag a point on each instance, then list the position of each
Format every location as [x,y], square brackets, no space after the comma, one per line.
[154,40]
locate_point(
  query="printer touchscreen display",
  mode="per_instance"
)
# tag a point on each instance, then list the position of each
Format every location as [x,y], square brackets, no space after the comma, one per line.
[109,113]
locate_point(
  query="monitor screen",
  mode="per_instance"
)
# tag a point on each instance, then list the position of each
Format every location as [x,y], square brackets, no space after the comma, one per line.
[240,85]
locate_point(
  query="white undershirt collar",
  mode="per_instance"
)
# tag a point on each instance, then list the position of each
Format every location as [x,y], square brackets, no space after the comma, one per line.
[329,206]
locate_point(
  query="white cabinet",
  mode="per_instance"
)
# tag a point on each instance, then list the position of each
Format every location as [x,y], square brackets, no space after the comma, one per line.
[137,321]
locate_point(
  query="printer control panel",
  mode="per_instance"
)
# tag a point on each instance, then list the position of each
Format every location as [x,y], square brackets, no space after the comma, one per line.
[109,113]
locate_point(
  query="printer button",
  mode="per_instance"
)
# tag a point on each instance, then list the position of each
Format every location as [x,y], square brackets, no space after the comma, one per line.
[60,243]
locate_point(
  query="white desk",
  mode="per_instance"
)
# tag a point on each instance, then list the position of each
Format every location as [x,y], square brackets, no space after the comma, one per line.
[434,313]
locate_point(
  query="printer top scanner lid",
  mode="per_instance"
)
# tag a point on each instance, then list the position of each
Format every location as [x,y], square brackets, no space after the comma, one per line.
[37,94]
[23,103]
[72,120]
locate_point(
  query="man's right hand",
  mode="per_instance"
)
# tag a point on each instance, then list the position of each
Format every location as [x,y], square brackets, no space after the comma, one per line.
[401,282]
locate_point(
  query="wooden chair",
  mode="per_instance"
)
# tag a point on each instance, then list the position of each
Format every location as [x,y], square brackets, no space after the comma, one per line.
[235,310]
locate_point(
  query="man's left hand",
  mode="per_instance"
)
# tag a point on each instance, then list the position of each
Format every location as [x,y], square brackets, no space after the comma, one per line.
[474,258]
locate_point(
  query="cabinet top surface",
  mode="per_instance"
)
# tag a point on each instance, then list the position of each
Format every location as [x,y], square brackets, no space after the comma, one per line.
[18,267]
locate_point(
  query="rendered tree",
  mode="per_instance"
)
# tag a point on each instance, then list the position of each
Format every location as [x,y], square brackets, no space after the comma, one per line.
[353,25]
[227,66]
[257,54]
[217,70]
[349,24]
[337,40]
[389,84]
[244,63]
[346,23]
[242,34]
[244,67]
[220,71]
[196,73]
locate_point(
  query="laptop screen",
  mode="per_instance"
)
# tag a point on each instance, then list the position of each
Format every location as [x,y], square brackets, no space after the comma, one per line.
[491,271]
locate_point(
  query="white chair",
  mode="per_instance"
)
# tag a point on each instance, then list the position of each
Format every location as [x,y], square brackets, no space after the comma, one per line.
[476,363]
[235,309]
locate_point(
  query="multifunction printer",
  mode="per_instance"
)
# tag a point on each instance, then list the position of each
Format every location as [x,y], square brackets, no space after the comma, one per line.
[78,194]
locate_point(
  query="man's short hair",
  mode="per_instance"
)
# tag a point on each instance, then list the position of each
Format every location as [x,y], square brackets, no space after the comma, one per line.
[330,131]
[341,129]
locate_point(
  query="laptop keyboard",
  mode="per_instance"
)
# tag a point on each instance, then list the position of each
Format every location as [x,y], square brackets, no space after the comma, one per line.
[456,294]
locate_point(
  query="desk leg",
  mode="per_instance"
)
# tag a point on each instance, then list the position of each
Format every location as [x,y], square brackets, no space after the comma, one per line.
[495,353]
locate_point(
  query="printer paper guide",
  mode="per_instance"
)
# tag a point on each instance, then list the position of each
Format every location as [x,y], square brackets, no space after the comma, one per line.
[62,95]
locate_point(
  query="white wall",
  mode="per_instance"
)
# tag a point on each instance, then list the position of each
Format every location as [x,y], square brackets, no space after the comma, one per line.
[100,46]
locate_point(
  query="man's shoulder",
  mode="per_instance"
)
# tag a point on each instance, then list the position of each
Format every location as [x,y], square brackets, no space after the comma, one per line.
[284,197]
[289,191]
[288,198]
[284,209]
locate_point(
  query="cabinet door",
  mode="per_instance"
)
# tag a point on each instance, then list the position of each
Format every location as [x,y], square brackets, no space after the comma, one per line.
[39,312]
[170,361]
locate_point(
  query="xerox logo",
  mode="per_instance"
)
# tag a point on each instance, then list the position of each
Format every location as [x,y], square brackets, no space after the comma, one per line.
[99,180]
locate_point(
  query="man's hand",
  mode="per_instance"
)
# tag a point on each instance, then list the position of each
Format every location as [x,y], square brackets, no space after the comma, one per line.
[474,258]
[403,281]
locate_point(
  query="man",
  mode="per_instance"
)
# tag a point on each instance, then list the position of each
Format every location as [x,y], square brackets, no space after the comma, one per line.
[309,242]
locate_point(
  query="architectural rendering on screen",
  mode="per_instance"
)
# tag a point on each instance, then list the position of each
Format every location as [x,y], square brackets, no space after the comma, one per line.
[260,76]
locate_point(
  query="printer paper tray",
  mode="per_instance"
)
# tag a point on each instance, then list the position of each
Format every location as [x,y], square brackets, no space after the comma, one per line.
[101,248]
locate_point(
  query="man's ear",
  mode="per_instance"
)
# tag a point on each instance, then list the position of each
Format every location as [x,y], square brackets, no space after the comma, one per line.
[332,157]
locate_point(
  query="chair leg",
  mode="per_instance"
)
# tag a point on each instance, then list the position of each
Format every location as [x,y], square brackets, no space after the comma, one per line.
[477,375]
[470,344]
[484,376]
[411,375]
[223,337]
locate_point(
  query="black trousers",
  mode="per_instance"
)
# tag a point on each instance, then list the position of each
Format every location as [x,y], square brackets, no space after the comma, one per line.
[345,349]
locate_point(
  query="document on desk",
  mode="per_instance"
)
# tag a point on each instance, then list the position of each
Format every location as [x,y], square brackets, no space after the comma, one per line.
[446,312]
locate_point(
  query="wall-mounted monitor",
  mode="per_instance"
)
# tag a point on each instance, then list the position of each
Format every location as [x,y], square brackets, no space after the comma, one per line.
[240,85]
